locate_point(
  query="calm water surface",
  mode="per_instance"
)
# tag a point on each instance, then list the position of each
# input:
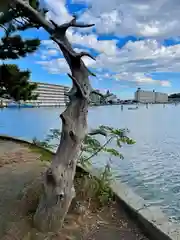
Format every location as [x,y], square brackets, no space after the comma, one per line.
[151,166]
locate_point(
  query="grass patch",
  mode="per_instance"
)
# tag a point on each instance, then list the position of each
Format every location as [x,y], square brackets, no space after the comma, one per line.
[45,154]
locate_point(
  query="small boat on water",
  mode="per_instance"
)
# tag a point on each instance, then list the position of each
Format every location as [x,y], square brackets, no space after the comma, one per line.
[132,108]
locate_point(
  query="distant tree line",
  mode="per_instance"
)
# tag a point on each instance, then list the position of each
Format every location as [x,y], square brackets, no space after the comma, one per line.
[174,95]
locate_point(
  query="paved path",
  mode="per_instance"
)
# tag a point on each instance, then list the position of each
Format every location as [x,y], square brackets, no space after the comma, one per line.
[19,165]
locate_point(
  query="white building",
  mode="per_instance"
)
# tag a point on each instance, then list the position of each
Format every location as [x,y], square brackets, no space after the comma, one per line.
[112,98]
[144,96]
[50,95]
[150,96]
[161,97]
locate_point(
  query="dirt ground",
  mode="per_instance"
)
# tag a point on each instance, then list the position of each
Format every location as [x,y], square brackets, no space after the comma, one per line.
[20,187]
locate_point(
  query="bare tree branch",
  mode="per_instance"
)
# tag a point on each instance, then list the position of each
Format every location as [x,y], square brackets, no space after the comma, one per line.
[98,93]
[91,73]
[19,22]
[77,85]
[72,23]
[32,14]
[72,52]
[83,25]
[82,54]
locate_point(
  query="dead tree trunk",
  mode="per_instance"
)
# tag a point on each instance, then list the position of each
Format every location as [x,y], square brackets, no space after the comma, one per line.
[58,180]
[58,183]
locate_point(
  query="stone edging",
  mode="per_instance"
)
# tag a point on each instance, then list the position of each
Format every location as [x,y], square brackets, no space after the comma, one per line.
[152,219]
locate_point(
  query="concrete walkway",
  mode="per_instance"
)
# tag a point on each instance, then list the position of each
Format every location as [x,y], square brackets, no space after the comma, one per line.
[19,166]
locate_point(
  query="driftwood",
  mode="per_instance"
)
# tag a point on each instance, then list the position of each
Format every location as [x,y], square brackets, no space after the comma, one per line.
[58,187]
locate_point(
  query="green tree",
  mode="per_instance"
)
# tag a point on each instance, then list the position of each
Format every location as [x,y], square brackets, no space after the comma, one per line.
[14,47]
[174,95]
[14,83]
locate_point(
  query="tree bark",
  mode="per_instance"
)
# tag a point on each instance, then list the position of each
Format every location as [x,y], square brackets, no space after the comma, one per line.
[58,183]
[58,188]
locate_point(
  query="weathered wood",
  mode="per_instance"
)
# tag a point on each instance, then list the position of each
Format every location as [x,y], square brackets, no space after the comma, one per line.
[58,180]
[58,188]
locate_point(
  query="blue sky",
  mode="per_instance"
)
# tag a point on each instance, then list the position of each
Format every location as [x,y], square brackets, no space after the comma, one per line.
[136,45]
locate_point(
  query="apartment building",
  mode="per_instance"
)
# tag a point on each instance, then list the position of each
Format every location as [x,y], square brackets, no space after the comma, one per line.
[50,95]
[161,97]
[150,96]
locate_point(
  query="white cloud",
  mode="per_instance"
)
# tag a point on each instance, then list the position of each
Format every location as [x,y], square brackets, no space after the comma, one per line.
[53,52]
[153,18]
[136,79]
[143,56]
[165,83]
[48,53]
[130,63]
[44,57]
[57,11]
[135,61]
[90,40]
[55,66]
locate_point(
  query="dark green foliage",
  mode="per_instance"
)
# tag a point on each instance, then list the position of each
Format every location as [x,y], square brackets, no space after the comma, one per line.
[91,146]
[14,17]
[174,95]
[102,190]
[94,189]
[15,47]
[15,83]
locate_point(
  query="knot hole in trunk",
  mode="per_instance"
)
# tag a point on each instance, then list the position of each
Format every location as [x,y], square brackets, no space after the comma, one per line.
[72,136]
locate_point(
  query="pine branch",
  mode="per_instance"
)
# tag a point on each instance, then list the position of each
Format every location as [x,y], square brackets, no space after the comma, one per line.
[5,29]
[16,20]
[82,54]
[91,73]
[14,47]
